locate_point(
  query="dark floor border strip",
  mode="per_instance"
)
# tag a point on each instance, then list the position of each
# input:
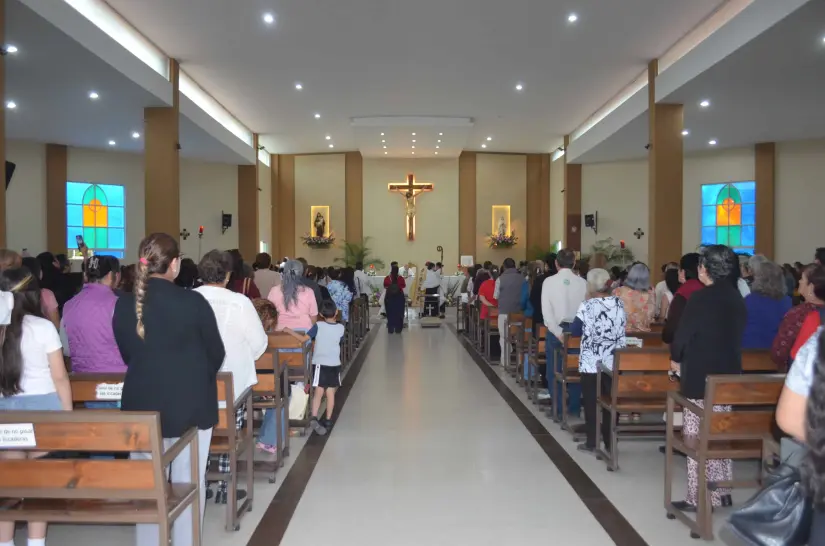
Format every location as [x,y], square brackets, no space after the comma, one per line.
[612,521]
[276,518]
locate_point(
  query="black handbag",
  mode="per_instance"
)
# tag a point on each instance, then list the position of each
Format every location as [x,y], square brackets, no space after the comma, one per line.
[779,514]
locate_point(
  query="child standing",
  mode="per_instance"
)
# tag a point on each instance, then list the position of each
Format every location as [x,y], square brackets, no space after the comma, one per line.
[326,359]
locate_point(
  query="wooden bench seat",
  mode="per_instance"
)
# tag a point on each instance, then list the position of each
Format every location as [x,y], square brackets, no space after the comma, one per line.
[271,394]
[737,434]
[567,374]
[91,491]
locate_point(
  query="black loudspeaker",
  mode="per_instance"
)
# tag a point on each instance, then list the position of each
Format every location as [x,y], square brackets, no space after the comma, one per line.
[226,221]
[592,221]
[9,172]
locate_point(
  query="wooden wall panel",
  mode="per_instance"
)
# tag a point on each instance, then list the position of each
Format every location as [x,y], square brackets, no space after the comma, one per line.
[467,204]
[665,172]
[286,205]
[765,169]
[544,196]
[572,202]
[57,173]
[538,201]
[274,201]
[354,189]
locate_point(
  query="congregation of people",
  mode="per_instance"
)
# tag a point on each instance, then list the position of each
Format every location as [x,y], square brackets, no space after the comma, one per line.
[169,325]
[710,307]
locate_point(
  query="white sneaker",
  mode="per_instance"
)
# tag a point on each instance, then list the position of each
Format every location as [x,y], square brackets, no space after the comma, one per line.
[544,396]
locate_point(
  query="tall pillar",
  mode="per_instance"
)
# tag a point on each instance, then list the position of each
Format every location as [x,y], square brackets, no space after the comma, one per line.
[161,163]
[57,173]
[248,206]
[665,165]
[2,126]
[285,210]
[274,200]
[572,202]
[538,201]
[467,205]
[765,169]
[354,196]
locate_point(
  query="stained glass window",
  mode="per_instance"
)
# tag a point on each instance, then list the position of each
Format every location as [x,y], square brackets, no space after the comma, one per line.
[729,215]
[97,213]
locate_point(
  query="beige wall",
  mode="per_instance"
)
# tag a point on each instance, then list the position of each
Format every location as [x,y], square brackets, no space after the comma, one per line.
[26,197]
[319,180]
[436,212]
[800,200]
[556,201]
[265,206]
[618,191]
[206,189]
[501,180]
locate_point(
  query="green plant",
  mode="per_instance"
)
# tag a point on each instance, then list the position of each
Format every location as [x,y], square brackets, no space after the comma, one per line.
[359,251]
[537,252]
[615,254]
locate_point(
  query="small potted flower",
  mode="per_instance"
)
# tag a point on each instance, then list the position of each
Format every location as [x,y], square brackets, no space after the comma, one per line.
[315,241]
[501,240]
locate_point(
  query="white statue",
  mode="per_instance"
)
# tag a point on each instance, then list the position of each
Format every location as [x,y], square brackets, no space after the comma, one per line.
[502,227]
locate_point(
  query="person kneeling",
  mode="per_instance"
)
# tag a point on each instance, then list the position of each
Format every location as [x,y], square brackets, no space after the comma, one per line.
[326,359]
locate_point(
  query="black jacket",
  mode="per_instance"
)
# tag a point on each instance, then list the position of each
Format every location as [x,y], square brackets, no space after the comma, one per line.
[535,301]
[709,338]
[173,369]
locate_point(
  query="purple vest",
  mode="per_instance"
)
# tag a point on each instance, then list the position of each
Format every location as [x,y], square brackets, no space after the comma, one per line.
[87,319]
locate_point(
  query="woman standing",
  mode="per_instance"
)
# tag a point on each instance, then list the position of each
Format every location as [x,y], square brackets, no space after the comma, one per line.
[340,293]
[32,374]
[812,290]
[48,301]
[394,285]
[169,339]
[638,299]
[766,304]
[240,281]
[708,342]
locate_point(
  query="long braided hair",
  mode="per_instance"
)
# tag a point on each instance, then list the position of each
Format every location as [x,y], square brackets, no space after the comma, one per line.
[155,254]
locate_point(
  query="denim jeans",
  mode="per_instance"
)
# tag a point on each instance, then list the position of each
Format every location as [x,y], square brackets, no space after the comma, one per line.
[554,364]
[31,402]
[268,434]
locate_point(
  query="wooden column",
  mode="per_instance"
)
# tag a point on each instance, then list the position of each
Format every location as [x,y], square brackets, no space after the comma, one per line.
[161,163]
[274,200]
[57,173]
[765,169]
[354,196]
[467,204]
[248,206]
[286,206]
[538,201]
[572,202]
[3,127]
[665,165]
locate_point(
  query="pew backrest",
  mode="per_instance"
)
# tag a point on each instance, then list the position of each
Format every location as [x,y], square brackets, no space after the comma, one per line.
[642,373]
[753,399]
[96,387]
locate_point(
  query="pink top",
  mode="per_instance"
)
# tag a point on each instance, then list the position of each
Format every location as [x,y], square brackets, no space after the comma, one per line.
[300,314]
[48,303]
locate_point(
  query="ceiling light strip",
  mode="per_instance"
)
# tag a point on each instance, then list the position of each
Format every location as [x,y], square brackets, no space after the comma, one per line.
[639,83]
[205,102]
[100,14]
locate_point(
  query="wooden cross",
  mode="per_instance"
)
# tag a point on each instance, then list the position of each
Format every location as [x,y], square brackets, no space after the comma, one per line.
[410,191]
[638,233]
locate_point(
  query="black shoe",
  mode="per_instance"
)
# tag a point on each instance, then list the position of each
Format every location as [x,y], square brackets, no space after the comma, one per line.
[221,497]
[209,493]
[684,506]
[584,448]
[727,501]
[578,429]
[319,429]
[327,423]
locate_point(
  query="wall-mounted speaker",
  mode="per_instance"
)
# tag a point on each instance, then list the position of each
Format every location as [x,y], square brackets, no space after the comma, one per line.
[226,221]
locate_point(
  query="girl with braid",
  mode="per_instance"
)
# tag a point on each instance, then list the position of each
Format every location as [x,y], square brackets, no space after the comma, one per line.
[169,339]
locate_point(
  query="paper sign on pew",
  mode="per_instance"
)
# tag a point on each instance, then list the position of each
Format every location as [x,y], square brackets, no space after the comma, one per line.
[109,391]
[17,435]
[636,342]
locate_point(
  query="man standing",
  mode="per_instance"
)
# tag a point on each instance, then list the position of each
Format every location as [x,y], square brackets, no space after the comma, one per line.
[362,282]
[508,293]
[561,296]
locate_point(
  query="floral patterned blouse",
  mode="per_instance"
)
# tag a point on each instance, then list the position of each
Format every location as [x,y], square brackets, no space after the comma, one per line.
[640,308]
[341,296]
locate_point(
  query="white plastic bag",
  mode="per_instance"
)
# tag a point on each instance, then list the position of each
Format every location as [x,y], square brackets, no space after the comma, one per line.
[298,402]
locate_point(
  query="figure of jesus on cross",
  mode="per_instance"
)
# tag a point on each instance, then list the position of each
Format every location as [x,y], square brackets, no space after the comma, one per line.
[410,191]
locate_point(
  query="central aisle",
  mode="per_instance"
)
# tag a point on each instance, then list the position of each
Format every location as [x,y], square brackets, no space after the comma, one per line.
[426,452]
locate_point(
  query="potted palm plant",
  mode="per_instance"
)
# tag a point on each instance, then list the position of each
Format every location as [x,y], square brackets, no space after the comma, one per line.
[359,251]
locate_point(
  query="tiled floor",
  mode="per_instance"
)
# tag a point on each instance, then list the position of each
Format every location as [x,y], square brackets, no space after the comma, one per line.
[427,452]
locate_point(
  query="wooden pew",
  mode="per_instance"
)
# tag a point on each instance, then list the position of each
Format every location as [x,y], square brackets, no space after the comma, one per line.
[568,374]
[738,434]
[523,334]
[536,355]
[649,339]
[490,329]
[515,337]
[460,317]
[297,365]
[93,491]
[228,440]
[640,384]
[96,387]
[272,394]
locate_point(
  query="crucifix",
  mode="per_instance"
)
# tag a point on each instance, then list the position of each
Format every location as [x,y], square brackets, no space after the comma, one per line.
[410,190]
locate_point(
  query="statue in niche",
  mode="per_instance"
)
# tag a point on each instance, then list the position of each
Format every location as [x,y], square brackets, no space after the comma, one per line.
[502,226]
[320,225]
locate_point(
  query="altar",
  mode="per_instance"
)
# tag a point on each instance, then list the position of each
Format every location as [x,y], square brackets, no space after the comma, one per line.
[450,284]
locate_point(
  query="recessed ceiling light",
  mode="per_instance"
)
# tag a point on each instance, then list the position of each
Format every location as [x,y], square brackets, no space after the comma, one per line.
[299,86]
[93,95]
[385,147]
[685,132]
[385,153]
[317,115]
[436,153]
[11,105]
[437,147]
[382,134]
[712,142]
[269,18]
[413,147]
[413,153]
[328,137]
[112,143]
[135,135]
[483,145]
[519,87]
[383,141]
[489,138]
[823,39]
[572,18]
[439,140]
[705,103]
[440,134]
[413,140]
[11,49]
[332,145]
[413,134]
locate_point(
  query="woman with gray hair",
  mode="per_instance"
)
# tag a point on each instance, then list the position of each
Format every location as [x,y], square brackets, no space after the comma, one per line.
[638,298]
[767,304]
[600,322]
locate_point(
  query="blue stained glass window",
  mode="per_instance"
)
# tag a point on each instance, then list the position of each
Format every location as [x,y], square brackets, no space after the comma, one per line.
[98,213]
[729,215]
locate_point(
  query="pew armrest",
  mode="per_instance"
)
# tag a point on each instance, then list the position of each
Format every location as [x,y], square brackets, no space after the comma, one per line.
[172,453]
[685,403]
